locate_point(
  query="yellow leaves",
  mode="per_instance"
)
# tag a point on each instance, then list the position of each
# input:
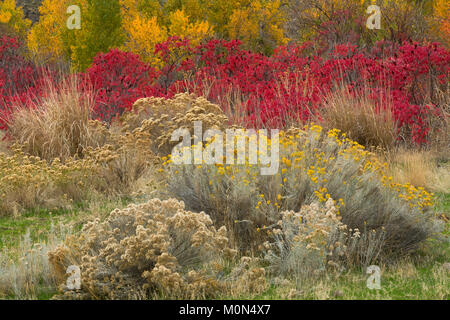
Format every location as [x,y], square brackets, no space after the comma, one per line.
[13,16]
[259,25]
[179,26]
[441,19]
[5,16]
[45,38]
[144,8]
[144,33]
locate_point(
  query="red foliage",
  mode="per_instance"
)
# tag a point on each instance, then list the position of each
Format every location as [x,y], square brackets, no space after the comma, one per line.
[287,85]
[19,78]
[118,79]
[290,83]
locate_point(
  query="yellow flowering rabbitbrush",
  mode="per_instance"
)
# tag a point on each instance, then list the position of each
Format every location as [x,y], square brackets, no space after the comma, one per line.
[314,166]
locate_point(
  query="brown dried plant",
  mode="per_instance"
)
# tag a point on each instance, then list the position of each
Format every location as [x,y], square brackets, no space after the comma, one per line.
[155,249]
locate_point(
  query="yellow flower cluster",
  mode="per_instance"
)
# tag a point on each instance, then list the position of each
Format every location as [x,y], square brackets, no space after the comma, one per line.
[415,196]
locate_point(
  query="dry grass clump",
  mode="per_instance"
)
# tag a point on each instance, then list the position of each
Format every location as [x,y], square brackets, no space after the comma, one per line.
[57,124]
[247,277]
[439,121]
[29,182]
[314,165]
[3,144]
[123,161]
[369,122]
[421,168]
[145,251]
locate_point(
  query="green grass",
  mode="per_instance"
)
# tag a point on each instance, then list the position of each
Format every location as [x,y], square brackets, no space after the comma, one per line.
[419,278]
[443,204]
[37,222]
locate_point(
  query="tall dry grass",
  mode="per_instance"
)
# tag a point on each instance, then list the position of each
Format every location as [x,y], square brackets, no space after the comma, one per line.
[360,117]
[422,168]
[439,123]
[55,125]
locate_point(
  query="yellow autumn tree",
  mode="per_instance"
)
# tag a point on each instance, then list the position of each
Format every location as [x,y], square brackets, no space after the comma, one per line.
[46,39]
[195,10]
[144,33]
[259,25]
[142,36]
[180,26]
[440,20]
[217,12]
[144,8]
[50,39]
[12,18]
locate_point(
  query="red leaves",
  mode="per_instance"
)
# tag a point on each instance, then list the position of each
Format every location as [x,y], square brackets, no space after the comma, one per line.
[19,79]
[287,85]
[118,79]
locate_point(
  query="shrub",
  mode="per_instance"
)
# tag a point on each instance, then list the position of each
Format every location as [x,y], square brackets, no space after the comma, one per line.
[123,160]
[28,182]
[287,87]
[145,251]
[159,117]
[313,165]
[118,79]
[130,149]
[18,77]
[310,241]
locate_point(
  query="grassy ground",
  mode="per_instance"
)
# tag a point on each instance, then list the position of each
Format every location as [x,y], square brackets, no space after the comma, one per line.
[423,276]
